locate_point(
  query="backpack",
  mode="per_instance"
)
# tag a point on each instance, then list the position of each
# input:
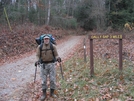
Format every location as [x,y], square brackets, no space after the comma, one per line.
[39,41]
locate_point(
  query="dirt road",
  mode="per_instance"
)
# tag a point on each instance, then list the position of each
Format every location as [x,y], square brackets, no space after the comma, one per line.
[16,74]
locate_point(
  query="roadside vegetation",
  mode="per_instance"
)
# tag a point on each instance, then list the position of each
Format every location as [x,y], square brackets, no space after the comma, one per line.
[107,84]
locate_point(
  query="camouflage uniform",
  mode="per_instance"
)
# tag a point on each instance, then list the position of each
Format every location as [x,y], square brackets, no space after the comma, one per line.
[47,55]
[48,69]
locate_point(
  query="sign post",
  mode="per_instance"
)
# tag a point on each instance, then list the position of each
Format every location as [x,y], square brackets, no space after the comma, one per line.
[91,58]
[84,46]
[120,54]
[91,37]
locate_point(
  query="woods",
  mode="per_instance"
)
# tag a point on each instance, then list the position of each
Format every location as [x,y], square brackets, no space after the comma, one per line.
[69,21]
[88,14]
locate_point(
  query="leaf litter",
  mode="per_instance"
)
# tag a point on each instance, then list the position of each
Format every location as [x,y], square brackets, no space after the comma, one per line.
[108,82]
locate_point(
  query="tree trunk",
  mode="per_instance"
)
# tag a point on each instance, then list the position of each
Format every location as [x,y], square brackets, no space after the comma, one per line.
[13,2]
[28,5]
[48,13]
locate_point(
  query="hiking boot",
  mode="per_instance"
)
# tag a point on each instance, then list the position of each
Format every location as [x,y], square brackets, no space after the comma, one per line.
[52,93]
[43,97]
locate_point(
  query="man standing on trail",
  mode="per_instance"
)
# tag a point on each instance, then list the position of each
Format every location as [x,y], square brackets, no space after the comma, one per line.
[47,55]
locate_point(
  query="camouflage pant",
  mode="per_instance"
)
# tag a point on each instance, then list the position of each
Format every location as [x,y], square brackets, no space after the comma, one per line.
[48,69]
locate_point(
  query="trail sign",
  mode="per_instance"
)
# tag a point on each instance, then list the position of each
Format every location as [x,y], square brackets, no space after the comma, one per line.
[91,37]
[106,36]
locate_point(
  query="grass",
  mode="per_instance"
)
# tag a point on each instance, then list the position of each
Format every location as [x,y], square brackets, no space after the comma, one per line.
[107,84]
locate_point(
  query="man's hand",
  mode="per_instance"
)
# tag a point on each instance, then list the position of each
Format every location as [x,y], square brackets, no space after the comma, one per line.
[59,59]
[36,63]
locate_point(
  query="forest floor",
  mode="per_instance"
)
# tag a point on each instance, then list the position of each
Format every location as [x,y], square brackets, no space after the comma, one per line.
[17,57]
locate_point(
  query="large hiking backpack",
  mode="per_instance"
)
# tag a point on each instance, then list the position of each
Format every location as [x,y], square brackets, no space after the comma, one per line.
[39,40]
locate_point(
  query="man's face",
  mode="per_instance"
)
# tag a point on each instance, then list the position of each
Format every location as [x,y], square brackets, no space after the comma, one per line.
[46,40]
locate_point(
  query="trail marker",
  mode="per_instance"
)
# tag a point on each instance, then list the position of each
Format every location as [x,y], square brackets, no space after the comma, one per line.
[84,46]
[91,37]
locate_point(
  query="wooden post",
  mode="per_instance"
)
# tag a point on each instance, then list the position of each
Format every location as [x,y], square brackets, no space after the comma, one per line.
[7,19]
[84,46]
[91,58]
[120,54]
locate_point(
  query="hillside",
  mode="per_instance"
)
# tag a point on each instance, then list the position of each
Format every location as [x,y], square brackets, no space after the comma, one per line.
[22,39]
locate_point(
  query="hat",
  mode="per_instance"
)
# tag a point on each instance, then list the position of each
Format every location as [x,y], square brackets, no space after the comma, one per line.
[46,37]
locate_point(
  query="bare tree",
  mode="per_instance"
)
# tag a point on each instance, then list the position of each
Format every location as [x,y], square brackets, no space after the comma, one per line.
[13,2]
[28,5]
[49,11]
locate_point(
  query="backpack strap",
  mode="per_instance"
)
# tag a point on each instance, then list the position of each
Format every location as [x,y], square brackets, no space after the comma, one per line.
[41,45]
[52,49]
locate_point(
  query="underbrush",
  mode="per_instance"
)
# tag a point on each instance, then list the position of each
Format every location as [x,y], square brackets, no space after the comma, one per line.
[107,84]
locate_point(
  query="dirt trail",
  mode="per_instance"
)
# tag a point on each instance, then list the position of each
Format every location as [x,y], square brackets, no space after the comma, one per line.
[16,74]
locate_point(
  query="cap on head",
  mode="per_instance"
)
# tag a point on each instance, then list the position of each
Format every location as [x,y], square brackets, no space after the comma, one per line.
[46,37]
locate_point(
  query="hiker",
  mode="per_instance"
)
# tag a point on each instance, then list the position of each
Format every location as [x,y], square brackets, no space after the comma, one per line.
[47,57]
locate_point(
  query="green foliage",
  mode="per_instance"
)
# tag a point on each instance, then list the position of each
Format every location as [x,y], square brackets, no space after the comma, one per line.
[15,13]
[121,11]
[71,23]
[67,23]
[82,14]
[32,15]
[89,24]
[1,9]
